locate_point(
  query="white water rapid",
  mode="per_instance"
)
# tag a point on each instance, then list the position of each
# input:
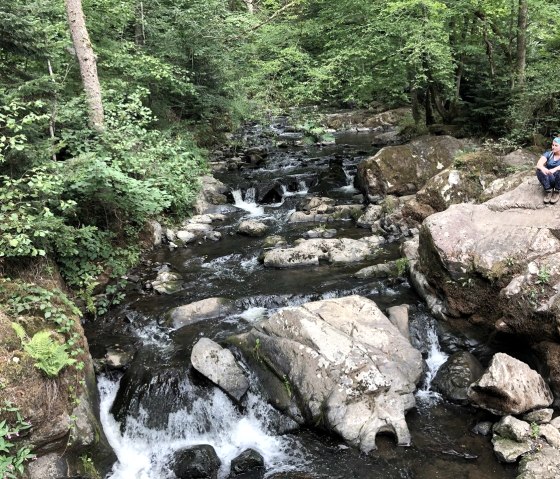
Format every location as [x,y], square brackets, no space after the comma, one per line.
[436,357]
[248,203]
[145,453]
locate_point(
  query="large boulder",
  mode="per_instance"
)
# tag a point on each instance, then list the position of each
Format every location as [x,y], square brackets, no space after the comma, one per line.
[212,192]
[463,182]
[404,169]
[311,252]
[543,464]
[510,386]
[498,263]
[349,369]
[219,365]
[549,353]
[474,177]
[456,375]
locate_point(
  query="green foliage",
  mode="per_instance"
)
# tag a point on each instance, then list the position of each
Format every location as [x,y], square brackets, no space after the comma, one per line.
[88,468]
[76,210]
[402,265]
[51,356]
[12,458]
[543,276]
[535,430]
[257,349]
[315,133]
[52,306]
[287,385]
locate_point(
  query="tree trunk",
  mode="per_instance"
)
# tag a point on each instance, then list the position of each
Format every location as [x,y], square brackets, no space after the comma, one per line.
[52,119]
[489,53]
[430,120]
[521,42]
[140,30]
[87,62]
[250,6]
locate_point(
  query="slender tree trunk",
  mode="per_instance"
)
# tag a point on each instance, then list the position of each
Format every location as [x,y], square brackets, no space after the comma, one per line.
[52,119]
[87,62]
[430,120]
[140,33]
[250,6]
[489,53]
[521,42]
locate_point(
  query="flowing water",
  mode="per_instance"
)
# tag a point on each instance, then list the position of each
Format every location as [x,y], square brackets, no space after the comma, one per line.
[161,405]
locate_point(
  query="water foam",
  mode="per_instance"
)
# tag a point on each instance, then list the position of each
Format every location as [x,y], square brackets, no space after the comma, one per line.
[248,203]
[436,357]
[145,453]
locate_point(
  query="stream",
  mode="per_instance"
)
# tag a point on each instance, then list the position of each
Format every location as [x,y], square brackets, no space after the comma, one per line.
[161,404]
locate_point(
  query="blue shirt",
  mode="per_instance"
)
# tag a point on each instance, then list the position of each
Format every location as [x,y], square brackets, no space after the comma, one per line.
[550,161]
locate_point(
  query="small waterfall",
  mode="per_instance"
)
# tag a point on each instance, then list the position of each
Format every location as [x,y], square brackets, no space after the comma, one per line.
[349,188]
[248,203]
[146,453]
[436,357]
[302,189]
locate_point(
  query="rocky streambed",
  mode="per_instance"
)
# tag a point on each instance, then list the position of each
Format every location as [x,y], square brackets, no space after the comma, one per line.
[277,333]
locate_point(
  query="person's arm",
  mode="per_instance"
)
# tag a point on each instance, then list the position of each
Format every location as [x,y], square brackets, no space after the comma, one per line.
[540,166]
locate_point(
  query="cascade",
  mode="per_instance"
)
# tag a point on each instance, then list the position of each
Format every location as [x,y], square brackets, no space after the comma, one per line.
[231,268]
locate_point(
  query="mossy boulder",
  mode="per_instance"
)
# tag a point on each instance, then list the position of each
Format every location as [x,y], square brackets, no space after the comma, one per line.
[404,169]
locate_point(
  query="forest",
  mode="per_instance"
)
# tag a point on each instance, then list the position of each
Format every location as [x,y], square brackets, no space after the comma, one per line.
[107,124]
[175,76]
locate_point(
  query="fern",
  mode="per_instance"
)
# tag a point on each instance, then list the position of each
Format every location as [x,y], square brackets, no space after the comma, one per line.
[20,332]
[50,355]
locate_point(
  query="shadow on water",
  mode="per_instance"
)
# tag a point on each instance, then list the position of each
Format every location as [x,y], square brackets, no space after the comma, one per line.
[161,404]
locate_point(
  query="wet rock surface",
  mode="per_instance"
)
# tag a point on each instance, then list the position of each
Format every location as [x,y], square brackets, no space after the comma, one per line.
[197,462]
[176,398]
[456,375]
[219,365]
[351,367]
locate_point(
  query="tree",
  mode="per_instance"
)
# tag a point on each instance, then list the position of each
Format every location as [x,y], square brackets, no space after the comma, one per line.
[521,42]
[87,61]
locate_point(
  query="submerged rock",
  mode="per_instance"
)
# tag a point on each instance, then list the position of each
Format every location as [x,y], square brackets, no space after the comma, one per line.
[196,462]
[248,462]
[198,311]
[352,371]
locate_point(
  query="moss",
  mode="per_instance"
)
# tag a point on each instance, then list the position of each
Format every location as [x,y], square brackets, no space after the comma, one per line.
[477,162]
[389,204]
